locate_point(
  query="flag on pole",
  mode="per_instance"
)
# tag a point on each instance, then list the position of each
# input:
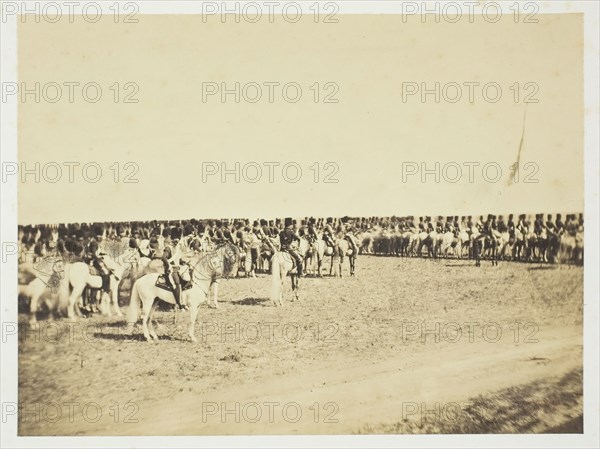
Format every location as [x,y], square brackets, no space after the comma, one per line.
[514,168]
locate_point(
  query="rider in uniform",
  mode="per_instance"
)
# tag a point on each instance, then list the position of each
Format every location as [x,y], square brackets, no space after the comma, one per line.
[218,237]
[511,226]
[550,226]
[92,256]
[501,225]
[164,254]
[311,233]
[287,237]
[265,234]
[349,235]
[421,225]
[429,225]
[560,226]
[538,226]
[328,233]
[522,225]
[227,233]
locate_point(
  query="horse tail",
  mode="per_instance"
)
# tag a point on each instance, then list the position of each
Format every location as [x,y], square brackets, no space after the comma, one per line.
[275,278]
[133,312]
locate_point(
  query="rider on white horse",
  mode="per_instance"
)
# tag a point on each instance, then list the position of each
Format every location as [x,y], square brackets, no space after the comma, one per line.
[262,231]
[349,235]
[287,237]
[165,254]
[311,233]
[328,233]
[93,257]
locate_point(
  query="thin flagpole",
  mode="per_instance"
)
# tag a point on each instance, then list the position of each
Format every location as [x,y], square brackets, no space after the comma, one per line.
[516,166]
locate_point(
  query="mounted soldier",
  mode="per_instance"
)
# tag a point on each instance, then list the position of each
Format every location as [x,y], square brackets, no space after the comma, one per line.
[311,233]
[551,227]
[228,235]
[522,225]
[287,238]
[165,254]
[560,226]
[352,240]
[93,257]
[510,225]
[538,226]
[328,233]
[429,225]
[264,233]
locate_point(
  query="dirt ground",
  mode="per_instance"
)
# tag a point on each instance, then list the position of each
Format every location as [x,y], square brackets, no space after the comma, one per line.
[406,346]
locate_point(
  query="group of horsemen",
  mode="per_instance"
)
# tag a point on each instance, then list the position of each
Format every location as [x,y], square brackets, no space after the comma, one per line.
[494,226]
[89,244]
[495,231]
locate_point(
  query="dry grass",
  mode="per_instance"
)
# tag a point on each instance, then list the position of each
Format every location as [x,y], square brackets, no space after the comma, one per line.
[342,322]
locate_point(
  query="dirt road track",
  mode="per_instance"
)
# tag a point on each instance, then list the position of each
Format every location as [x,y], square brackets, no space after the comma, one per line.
[377,391]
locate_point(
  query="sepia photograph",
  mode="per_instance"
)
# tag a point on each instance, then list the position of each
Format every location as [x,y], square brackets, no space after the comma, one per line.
[272,224]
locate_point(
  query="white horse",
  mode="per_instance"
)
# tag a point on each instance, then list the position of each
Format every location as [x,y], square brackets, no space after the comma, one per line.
[205,270]
[46,286]
[317,253]
[78,277]
[282,264]
[342,249]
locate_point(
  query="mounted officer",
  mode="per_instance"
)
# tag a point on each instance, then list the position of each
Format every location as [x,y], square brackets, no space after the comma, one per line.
[165,254]
[311,233]
[93,257]
[351,238]
[287,238]
[328,233]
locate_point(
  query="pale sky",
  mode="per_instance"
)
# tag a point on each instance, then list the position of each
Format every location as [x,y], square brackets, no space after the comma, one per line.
[369,133]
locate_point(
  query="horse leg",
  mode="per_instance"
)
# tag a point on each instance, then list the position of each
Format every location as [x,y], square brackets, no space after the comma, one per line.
[281,292]
[216,293]
[295,287]
[33,305]
[150,323]
[114,292]
[73,299]
[104,303]
[194,309]
[146,309]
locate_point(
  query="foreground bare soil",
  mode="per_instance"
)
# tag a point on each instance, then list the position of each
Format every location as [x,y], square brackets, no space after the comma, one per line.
[407,346]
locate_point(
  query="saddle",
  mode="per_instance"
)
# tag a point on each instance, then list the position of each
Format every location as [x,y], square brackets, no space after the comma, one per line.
[293,259]
[162,282]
